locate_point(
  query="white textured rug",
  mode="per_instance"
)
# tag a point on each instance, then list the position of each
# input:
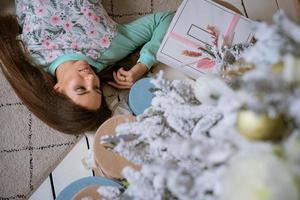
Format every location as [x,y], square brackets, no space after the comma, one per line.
[29,150]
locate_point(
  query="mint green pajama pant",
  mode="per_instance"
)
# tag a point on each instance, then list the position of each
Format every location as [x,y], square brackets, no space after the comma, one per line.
[148,30]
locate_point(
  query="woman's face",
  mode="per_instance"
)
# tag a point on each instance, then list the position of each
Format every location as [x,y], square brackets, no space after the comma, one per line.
[78,81]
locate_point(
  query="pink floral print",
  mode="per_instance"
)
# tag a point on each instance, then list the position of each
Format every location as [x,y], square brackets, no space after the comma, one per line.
[96,18]
[92,32]
[84,10]
[74,45]
[55,20]
[40,11]
[68,25]
[46,43]
[51,55]
[89,14]
[27,29]
[104,42]
[23,8]
[52,28]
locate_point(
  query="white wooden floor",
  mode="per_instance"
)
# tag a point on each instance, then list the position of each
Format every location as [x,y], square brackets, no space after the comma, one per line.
[69,170]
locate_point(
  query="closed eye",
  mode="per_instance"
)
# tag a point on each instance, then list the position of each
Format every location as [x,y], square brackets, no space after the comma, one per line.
[98,90]
[80,89]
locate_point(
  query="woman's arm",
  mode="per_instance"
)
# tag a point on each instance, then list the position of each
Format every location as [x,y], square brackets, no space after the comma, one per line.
[150,31]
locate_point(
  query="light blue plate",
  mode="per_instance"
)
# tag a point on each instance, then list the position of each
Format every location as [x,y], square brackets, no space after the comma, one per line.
[71,190]
[140,96]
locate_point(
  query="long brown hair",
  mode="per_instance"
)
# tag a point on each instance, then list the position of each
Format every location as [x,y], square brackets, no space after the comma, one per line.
[35,86]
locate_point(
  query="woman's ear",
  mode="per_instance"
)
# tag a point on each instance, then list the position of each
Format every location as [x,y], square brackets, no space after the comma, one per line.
[57,88]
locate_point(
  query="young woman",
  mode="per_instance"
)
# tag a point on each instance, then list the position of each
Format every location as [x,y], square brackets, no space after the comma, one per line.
[53,52]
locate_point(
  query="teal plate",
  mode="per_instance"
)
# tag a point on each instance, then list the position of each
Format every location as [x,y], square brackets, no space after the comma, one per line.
[71,190]
[140,96]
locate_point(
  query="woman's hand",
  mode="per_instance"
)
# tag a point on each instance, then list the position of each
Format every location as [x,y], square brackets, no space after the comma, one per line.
[125,79]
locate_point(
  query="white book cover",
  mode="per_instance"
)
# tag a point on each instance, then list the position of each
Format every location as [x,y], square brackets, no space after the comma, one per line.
[188,31]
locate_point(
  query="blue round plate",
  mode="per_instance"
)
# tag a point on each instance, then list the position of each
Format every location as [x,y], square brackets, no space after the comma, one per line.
[140,96]
[69,192]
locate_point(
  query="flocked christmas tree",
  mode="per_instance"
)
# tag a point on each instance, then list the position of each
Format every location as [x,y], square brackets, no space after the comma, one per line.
[211,140]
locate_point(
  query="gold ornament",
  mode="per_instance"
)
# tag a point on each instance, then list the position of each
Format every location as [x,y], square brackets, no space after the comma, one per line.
[260,126]
[277,67]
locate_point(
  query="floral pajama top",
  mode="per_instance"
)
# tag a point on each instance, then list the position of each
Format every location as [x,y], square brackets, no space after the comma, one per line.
[52,28]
